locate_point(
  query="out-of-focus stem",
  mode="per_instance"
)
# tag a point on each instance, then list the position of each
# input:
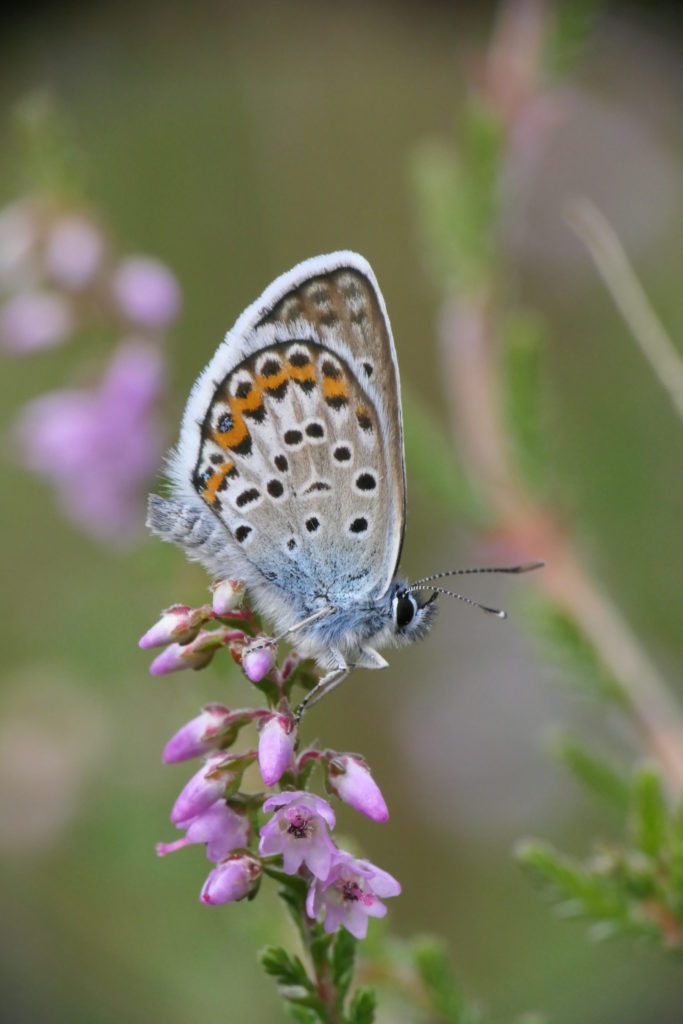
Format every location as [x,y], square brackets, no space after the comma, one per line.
[604,246]
[533,532]
[512,79]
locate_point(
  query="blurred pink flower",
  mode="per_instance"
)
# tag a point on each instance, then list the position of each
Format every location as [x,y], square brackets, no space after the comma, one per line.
[34,320]
[18,239]
[100,447]
[146,292]
[74,250]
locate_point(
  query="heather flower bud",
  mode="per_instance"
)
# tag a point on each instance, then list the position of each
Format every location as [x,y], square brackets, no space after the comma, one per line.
[227,595]
[276,747]
[177,624]
[147,292]
[231,880]
[195,655]
[199,735]
[350,779]
[258,660]
[203,789]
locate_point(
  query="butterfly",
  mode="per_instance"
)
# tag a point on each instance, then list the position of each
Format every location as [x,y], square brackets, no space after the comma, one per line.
[290,473]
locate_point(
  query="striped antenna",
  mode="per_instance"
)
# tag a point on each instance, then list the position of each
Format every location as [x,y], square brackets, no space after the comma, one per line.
[461,597]
[526,567]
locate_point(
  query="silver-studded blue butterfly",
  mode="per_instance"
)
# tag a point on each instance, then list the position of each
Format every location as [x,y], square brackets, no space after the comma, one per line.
[289,473]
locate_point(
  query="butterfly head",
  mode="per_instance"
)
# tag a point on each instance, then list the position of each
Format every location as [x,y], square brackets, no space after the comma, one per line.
[411,615]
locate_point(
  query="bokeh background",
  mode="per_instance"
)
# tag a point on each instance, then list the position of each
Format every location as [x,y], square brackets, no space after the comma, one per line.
[232,140]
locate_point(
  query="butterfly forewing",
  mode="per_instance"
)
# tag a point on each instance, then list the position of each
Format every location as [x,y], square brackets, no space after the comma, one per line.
[301,450]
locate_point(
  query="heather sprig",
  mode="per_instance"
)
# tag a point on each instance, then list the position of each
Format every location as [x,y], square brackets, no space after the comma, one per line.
[283,830]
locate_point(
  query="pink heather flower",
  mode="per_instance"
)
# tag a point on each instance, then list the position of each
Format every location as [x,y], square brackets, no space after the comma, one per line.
[227,595]
[175,624]
[276,747]
[204,788]
[231,880]
[350,894]
[147,293]
[100,447]
[220,827]
[34,320]
[350,780]
[18,237]
[298,830]
[257,661]
[199,735]
[73,252]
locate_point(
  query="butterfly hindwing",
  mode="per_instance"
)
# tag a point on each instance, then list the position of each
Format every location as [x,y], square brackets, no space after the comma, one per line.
[293,438]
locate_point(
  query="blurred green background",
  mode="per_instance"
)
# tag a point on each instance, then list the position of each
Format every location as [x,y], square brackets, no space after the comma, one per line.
[232,140]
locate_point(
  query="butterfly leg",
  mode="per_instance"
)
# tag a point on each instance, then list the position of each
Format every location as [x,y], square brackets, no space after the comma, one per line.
[328,682]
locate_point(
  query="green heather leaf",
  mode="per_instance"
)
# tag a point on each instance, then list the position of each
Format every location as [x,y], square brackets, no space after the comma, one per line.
[676,863]
[287,970]
[594,772]
[294,897]
[571,27]
[343,963]
[433,466]
[523,392]
[362,1008]
[566,641]
[650,818]
[457,195]
[302,1014]
[445,996]
[579,892]
[319,946]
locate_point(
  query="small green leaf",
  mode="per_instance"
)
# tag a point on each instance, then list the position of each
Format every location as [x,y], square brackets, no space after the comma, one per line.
[445,996]
[562,634]
[594,772]
[288,971]
[319,947]
[572,24]
[362,1008]
[579,892]
[457,196]
[302,1014]
[676,862]
[523,392]
[650,819]
[343,963]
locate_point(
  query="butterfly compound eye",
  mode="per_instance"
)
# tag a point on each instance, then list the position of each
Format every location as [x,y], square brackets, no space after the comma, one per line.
[405,607]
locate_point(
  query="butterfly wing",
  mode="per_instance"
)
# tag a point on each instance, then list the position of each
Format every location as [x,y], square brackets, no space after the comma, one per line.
[292,436]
